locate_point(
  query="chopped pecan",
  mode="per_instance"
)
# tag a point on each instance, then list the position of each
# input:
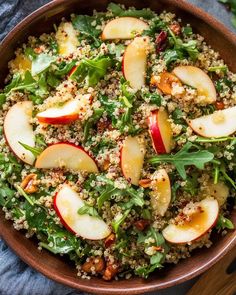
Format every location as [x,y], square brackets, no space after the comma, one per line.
[110,240]
[96,264]
[219,105]
[145,183]
[157,248]
[141,224]
[29,184]
[106,165]
[175,28]
[110,271]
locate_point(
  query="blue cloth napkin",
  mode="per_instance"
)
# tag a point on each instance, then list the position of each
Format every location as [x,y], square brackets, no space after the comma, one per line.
[16,278]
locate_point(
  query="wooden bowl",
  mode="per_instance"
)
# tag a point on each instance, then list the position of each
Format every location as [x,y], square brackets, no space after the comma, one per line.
[60,269]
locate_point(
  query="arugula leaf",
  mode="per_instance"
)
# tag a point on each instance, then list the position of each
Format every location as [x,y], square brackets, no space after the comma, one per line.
[187,31]
[8,164]
[107,194]
[17,83]
[83,23]
[156,25]
[23,194]
[90,210]
[92,70]
[158,258]
[2,98]
[97,114]
[180,50]
[117,222]
[222,69]
[41,62]
[155,262]
[35,151]
[64,68]
[154,98]
[118,11]
[224,222]
[185,158]
[6,193]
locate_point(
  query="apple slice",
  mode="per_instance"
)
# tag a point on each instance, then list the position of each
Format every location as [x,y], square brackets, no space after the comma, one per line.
[132,157]
[134,62]
[67,39]
[220,123]
[67,203]
[160,131]
[198,79]
[65,114]
[199,223]
[161,192]
[17,128]
[66,155]
[123,28]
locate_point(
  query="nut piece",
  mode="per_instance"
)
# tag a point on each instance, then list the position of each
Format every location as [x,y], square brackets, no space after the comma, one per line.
[165,82]
[219,105]
[141,224]
[94,264]
[145,183]
[175,28]
[110,271]
[110,240]
[29,184]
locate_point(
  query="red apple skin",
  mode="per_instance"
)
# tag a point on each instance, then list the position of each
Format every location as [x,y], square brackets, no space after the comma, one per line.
[63,120]
[59,215]
[155,133]
[72,70]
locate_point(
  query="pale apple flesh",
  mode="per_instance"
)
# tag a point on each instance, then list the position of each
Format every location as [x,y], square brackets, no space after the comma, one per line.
[220,123]
[161,192]
[199,224]
[68,156]
[123,28]
[160,131]
[197,78]
[132,158]
[65,114]
[17,129]
[67,202]
[67,39]
[135,61]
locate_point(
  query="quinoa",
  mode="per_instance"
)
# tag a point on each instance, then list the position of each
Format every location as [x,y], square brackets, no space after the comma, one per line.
[132,181]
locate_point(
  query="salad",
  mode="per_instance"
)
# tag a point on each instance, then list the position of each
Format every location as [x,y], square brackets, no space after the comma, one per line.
[118,142]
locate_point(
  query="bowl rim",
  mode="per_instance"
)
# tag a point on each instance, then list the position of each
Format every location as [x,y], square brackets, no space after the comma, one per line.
[228,34]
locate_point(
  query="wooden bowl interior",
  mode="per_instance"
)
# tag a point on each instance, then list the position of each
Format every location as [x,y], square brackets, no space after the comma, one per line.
[59,268]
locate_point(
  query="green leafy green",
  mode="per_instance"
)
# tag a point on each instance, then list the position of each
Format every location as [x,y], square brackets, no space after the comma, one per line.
[224,222]
[41,62]
[90,210]
[117,223]
[23,194]
[2,98]
[118,11]
[180,50]
[187,31]
[83,24]
[156,25]
[92,70]
[185,158]
[35,151]
[222,69]
[97,114]
[157,259]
